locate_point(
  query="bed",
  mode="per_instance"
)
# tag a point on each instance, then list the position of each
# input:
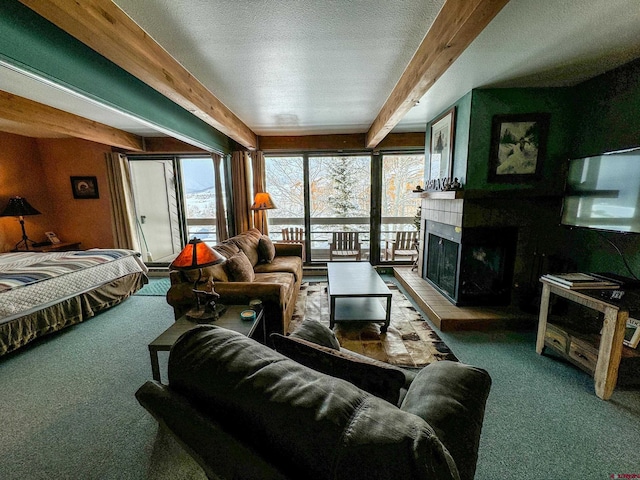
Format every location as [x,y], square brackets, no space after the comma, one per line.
[41,293]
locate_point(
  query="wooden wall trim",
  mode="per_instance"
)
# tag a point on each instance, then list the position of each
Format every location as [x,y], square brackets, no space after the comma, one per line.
[354,141]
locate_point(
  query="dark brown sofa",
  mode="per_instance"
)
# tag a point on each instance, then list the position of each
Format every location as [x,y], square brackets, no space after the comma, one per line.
[275,278]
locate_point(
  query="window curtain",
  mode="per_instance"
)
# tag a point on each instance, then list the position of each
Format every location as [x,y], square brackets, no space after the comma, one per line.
[122,206]
[221,215]
[259,185]
[241,191]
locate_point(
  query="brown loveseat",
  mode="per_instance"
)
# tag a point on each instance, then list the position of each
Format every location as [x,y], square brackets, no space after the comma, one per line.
[255,268]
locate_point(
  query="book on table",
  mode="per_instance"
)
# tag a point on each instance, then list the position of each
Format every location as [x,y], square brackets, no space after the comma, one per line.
[577,281]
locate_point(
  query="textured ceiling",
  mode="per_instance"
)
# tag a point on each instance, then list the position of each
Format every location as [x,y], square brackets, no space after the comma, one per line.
[314,67]
[296,66]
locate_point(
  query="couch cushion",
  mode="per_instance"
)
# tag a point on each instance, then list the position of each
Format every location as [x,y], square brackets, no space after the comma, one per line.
[248,243]
[282,264]
[308,424]
[227,248]
[315,332]
[266,249]
[451,397]
[239,268]
[281,278]
[382,382]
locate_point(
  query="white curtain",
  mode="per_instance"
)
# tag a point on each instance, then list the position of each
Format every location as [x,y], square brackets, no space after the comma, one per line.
[122,207]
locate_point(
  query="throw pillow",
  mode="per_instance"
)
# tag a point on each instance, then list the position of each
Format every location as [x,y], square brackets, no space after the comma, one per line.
[239,268]
[266,249]
[315,332]
[382,382]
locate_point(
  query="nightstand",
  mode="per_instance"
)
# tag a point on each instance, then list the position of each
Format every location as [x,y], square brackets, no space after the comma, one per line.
[54,247]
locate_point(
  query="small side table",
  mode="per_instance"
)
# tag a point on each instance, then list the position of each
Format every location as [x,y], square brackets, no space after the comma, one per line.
[230,319]
[54,247]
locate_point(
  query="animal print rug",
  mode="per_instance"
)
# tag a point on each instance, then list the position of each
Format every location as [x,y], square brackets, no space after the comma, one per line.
[409,341]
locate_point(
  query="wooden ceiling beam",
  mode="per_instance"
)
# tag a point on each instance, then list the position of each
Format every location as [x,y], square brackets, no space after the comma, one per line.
[25,111]
[456,26]
[108,30]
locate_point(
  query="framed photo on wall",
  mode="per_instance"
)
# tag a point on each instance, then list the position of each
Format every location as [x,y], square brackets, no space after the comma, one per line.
[518,147]
[84,187]
[441,146]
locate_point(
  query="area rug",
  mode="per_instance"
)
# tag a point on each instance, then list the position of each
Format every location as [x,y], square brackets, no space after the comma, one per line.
[157,287]
[409,341]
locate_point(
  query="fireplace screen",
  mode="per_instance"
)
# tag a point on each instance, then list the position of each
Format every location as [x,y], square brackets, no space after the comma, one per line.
[474,267]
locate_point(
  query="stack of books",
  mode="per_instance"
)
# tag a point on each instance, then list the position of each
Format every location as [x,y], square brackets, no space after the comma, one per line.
[580,281]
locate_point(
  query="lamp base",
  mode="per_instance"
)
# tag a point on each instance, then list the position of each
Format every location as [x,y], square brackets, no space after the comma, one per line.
[203,314]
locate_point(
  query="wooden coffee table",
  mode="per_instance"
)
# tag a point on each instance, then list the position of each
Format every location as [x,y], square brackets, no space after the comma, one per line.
[354,289]
[229,319]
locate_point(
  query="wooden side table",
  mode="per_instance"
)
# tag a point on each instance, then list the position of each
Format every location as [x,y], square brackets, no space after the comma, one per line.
[54,247]
[229,319]
[609,352]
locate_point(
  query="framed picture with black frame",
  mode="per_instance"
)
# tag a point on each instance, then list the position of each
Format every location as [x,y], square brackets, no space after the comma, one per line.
[84,187]
[518,147]
[441,146]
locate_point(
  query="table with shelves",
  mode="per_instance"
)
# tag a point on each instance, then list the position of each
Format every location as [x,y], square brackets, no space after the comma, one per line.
[600,355]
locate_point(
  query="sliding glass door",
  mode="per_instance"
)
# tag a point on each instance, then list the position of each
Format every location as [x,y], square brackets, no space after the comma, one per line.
[175,201]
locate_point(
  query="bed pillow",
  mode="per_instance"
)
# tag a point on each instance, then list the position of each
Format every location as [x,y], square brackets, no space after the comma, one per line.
[382,382]
[266,249]
[239,268]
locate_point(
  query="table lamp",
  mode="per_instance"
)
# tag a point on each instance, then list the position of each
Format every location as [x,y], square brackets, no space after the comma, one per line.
[19,207]
[263,201]
[197,254]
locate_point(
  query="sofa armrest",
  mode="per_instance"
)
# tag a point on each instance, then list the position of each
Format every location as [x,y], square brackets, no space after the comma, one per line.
[288,249]
[242,292]
[451,397]
[220,454]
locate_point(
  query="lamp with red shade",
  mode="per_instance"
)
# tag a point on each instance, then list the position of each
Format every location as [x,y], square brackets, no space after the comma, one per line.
[197,254]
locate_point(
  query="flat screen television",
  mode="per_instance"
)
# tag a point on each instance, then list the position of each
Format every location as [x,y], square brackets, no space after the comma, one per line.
[603,192]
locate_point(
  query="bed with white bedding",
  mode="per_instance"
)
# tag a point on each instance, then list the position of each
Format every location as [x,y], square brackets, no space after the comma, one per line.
[41,293]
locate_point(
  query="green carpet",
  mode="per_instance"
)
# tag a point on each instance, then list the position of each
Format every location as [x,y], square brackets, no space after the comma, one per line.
[157,287]
[69,412]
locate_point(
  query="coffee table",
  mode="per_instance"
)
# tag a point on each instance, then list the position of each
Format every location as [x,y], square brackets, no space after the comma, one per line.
[354,289]
[229,319]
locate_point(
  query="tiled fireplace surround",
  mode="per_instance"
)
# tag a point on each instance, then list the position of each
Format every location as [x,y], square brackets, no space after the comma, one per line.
[533,217]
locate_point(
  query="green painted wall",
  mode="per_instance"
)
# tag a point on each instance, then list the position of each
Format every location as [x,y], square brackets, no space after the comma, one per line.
[32,43]
[497,101]
[461,141]
[607,119]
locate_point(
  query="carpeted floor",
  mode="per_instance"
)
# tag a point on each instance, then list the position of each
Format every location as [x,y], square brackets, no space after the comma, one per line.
[157,287]
[409,340]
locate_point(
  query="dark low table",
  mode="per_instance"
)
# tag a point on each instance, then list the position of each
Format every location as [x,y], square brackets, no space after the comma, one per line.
[229,319]
[354,289]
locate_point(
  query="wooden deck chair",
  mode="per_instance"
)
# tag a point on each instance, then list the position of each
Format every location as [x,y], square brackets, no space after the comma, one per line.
[294,235]
[404,245]
[344,245]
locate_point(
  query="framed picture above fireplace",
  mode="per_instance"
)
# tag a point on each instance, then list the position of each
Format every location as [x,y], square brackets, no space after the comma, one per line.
[518,147]
[441,147]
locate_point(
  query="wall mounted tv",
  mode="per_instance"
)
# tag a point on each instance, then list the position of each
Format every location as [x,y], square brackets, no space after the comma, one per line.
[603,192]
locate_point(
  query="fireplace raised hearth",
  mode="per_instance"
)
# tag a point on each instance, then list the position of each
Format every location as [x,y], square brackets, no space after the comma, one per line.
[470,266]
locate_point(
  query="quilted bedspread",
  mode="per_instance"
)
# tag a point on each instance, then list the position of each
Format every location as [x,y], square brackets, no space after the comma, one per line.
[33,280]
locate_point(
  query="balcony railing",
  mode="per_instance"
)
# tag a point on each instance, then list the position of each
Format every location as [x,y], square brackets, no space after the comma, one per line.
[321,232]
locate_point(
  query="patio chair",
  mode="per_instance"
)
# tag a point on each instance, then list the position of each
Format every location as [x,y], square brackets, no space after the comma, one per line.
[344,245]
[294,235]
[404,245]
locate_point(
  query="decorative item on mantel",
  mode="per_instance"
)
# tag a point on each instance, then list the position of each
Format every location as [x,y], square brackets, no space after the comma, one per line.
[445,184]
